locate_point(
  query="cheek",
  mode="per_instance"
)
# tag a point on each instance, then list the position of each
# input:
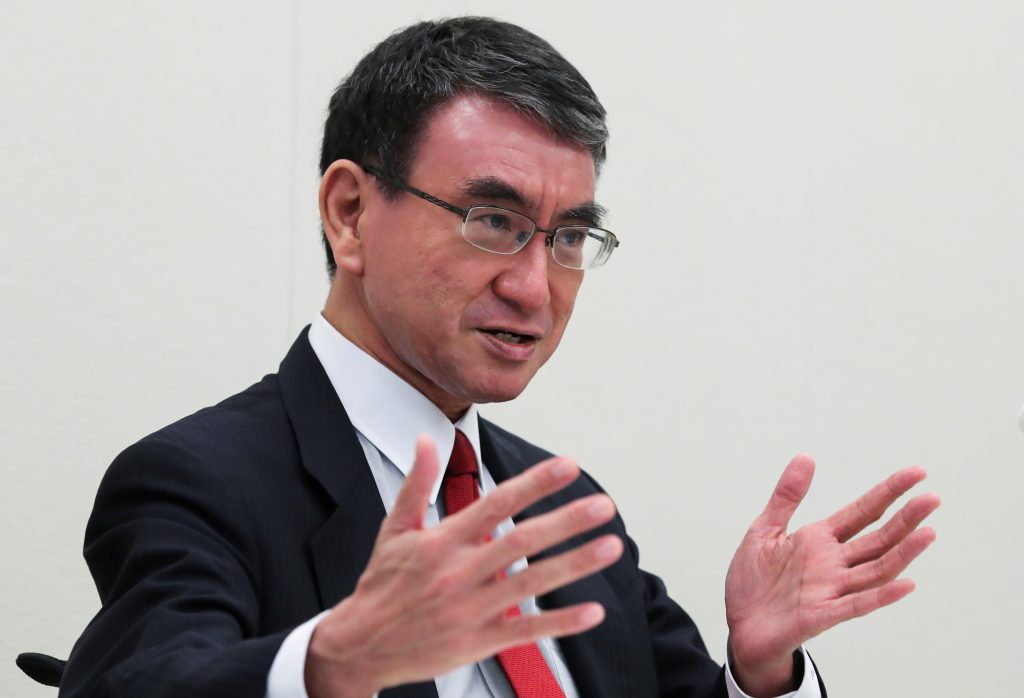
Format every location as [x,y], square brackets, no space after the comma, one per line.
[416,298]
[396,274]
[563,297]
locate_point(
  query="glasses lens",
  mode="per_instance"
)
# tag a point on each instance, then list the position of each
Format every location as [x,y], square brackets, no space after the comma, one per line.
[579,247]
[497,230]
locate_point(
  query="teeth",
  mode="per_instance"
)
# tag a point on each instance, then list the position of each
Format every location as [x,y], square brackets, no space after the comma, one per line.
[509,337]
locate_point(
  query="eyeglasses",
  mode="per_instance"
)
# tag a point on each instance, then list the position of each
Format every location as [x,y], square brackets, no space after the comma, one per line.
[499,230]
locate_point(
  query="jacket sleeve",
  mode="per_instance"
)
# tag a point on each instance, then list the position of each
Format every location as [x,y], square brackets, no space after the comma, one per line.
[674,636]
[177,573]
[681,660]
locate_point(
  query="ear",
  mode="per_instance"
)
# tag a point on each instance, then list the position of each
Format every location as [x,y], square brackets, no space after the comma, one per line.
[343,191]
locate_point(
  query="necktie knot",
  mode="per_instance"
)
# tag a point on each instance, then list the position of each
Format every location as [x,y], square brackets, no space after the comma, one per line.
[460,489]
[463,459]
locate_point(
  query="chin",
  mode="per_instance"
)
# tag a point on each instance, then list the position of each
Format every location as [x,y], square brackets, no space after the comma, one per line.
[496,397]
[495,390]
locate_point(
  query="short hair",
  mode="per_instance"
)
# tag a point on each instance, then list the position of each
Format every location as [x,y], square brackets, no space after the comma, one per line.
[378,112]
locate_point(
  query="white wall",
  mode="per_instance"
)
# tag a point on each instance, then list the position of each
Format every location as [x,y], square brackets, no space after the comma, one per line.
[821,223]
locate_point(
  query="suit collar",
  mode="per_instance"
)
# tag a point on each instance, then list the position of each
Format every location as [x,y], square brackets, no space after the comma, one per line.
[384,408]
[322,428]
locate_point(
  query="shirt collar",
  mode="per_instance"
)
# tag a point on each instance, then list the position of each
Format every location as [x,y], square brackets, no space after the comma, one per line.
[385,409]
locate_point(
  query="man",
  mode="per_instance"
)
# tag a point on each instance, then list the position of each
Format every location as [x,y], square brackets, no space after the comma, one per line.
[299,539]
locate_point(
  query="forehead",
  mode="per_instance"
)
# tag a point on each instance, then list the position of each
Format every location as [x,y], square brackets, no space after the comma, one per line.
[473,136]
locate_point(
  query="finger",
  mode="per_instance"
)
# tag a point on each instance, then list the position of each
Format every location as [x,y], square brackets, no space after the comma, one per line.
[520,630]
[414,497]
[544,576]
[789,492]
[868,508]
[864,602]
[877,543]
[889,566]
[542,532]
[479,519]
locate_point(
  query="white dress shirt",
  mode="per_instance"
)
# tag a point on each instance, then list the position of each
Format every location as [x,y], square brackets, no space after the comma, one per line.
[388,414]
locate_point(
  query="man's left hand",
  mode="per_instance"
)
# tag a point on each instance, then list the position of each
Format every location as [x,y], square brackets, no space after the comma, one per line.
[784,588]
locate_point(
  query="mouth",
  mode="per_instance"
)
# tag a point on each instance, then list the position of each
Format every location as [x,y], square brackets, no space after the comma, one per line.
[510,336]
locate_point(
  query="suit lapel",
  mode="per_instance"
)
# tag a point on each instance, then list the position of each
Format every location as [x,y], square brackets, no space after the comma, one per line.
[333,456]
[600,660]
[331,453]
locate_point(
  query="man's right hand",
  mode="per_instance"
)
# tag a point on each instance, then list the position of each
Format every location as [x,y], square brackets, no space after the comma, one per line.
[432,599]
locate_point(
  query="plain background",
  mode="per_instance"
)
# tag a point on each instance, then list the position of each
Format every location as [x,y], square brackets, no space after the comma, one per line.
[820,212]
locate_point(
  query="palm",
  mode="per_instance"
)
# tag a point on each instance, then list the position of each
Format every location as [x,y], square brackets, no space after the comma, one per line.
[784,588]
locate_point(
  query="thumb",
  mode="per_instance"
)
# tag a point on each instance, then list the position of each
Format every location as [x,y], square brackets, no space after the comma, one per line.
[790,490]
[414,497]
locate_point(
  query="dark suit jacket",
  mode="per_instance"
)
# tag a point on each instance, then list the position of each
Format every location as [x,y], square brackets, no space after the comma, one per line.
[213,538]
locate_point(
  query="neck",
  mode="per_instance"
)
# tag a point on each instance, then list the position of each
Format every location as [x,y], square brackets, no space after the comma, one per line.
[344,314]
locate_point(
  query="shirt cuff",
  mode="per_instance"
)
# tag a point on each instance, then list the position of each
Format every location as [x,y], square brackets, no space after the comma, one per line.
[287,677]
[808,687]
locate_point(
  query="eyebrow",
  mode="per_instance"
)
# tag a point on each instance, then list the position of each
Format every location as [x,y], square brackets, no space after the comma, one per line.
[491,189]
[591,213]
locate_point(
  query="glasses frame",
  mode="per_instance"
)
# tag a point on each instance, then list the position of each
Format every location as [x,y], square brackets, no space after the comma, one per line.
[549,235]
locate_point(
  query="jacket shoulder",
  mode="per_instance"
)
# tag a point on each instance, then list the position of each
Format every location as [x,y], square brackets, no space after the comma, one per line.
[531,453]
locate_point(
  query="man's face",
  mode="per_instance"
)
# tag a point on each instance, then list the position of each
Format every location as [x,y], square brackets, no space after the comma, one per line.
[461,324]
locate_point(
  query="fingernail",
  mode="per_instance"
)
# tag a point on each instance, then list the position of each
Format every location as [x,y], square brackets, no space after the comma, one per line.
[562,469]
[600,509]
[607,550]
[592,615]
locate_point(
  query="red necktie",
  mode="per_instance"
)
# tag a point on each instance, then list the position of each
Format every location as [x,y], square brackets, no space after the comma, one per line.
[524,665]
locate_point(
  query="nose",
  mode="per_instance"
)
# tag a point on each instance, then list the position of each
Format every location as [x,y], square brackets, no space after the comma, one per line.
[524,281]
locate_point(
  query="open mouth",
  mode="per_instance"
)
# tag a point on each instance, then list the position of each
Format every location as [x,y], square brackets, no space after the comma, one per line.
[510,337]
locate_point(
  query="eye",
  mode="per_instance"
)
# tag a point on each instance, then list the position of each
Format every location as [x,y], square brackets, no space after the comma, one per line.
[497,221]
[572,238]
